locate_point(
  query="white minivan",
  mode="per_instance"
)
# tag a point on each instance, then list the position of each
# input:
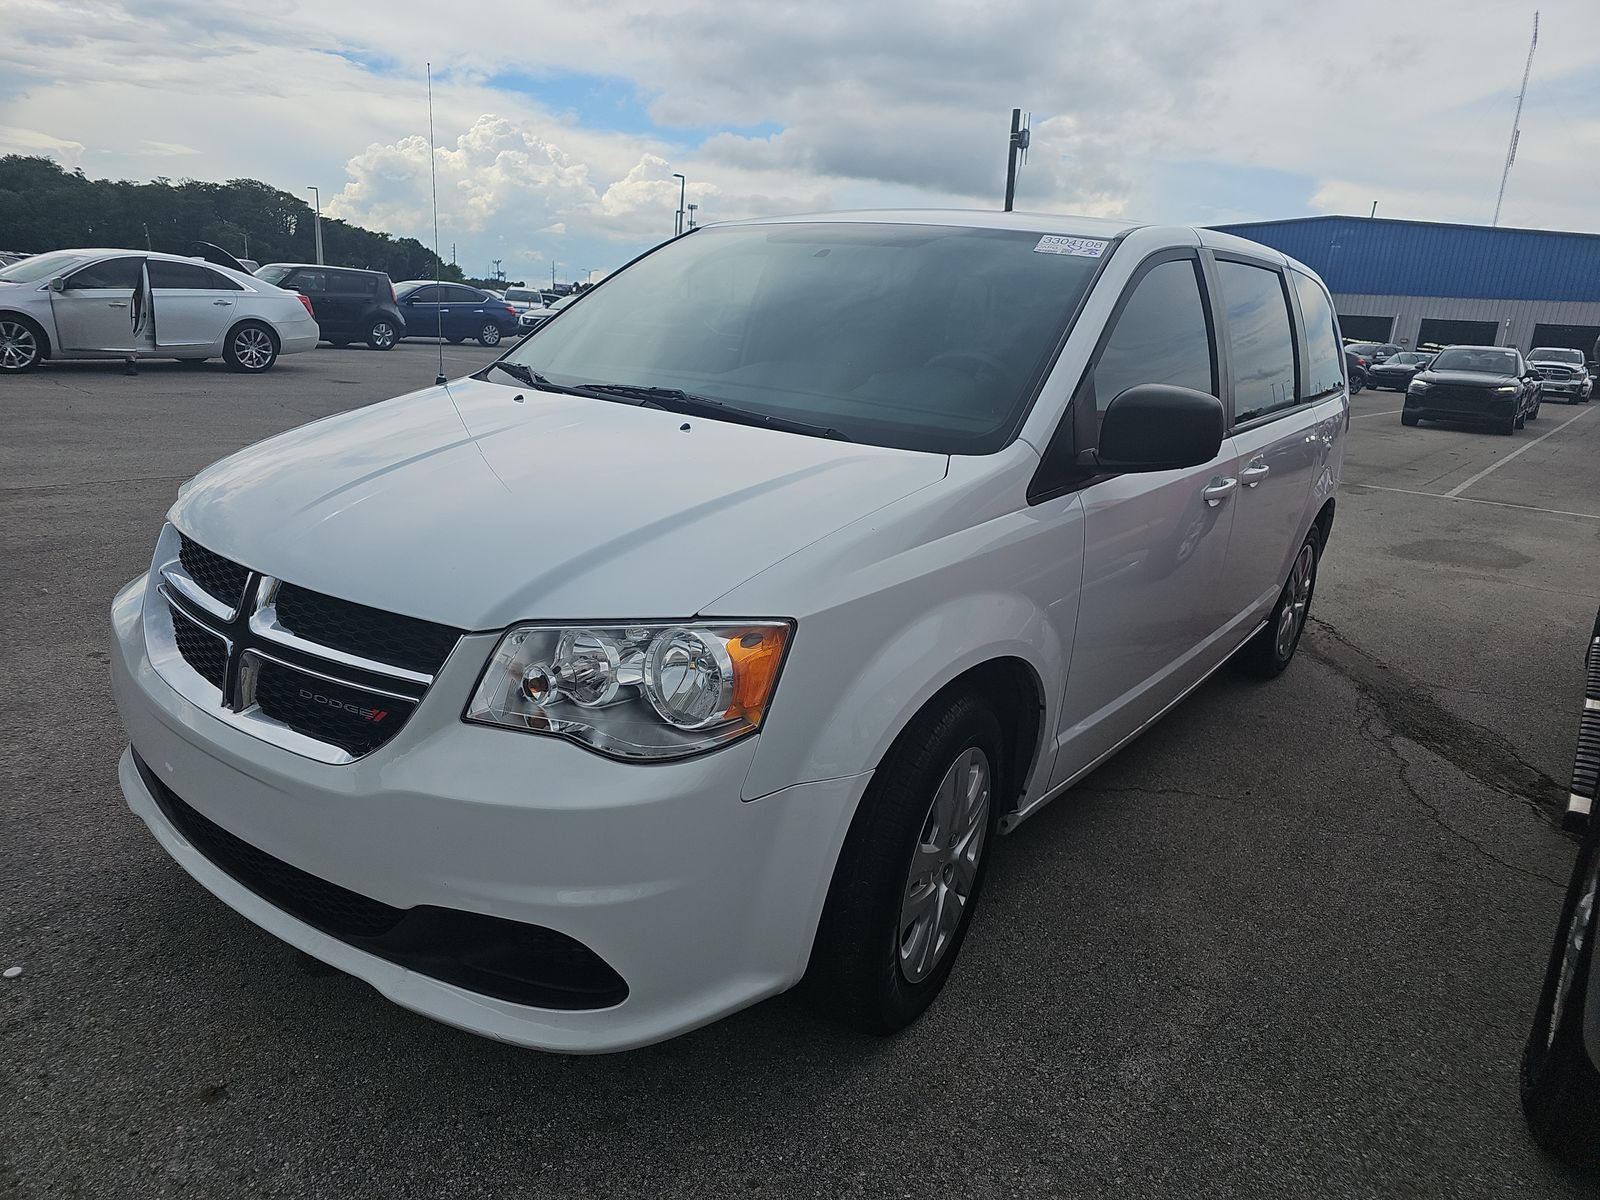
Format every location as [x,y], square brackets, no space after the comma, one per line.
[702,644]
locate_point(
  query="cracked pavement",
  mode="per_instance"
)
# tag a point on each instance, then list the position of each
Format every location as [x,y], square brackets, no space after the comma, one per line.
[1288,943]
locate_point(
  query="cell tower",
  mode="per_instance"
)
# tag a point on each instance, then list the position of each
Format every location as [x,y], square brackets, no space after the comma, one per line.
[1516,122]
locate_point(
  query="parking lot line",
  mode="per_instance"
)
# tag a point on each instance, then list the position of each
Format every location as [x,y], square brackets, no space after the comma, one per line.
[1388,412]
[1456,491]
[1554,512]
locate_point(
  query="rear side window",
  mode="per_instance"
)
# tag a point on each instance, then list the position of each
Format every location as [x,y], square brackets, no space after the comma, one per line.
[1161,336]
[1260,338]
[165,274]
[350,283]
[1324,371]
[113,273]
[461,295]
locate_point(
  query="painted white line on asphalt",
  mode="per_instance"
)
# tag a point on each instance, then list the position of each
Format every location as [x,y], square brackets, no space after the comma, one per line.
[1495,466]
[1389,413]
[1554,512]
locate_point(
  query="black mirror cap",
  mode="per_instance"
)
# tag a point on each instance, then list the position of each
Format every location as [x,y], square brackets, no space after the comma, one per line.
[1159,427]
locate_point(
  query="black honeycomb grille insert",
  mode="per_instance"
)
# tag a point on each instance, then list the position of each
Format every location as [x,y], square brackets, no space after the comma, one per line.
[355,720]
[508,960]
[407,642]
[220,578]
[203,650]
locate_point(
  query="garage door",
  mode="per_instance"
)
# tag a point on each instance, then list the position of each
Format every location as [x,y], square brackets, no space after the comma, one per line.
[1458,333]
[1574,337]
[1366,329]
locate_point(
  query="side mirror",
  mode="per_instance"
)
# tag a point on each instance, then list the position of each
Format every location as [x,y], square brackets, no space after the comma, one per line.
[1158,427]
[58,284]
[412,299]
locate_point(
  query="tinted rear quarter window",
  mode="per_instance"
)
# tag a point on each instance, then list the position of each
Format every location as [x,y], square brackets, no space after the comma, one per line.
[1260,339]
[165,274]
[1324,371]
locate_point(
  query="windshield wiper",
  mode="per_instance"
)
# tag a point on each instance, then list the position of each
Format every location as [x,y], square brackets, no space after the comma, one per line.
[532,378]
[677,400]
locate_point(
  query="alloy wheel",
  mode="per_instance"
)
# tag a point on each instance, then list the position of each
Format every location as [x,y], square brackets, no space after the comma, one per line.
[382,335]
[253,347]
[944,865]
[19,346]
[1293,615]
[490,335]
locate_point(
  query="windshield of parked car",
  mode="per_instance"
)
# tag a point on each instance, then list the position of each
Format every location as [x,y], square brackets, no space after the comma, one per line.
[1558,355]
[41,266]
[521,295]
[1484,362]
[916,336]
[273,273]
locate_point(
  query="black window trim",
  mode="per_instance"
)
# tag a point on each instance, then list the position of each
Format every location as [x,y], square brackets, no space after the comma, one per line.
[1225,347]
[1057,472]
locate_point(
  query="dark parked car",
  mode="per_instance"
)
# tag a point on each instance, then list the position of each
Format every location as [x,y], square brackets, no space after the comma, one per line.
[454,310]
[1487,385]
[1374,352]
[1560,1082]
[1397,370]
[1356,366]
[1565,373]
[350,305]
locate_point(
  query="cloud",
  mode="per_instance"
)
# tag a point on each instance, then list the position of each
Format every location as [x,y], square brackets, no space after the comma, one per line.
[34,141]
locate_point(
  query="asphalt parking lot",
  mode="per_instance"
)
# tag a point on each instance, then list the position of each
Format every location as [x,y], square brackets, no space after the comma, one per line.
[1286,944]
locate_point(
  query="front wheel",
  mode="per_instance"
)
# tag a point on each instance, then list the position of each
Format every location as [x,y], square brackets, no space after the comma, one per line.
[21,345]
[1560,1086]
[1268,653]
[251,349]
[909,875]
[489,335]
[1407,418]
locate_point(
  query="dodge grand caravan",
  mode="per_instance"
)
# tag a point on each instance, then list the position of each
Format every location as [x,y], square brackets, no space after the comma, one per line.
[703,643]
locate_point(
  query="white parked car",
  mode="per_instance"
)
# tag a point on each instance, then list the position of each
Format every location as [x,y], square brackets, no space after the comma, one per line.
[532,318]
[138,304]
[740,623]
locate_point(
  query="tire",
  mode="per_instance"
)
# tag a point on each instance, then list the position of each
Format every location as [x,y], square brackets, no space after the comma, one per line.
[1269,653]
[1509,426]
[1520,420]
[1409,418]
[22,345]
[1560,1088]
[1355,387]
[191,362]
[455,339]
[1534,415]
[251,348]
[887,942]
[338,343]
[382,334]
[489,335]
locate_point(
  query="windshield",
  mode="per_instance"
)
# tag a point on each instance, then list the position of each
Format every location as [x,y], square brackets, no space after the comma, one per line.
[41,266]
[1484,362]
[1557,355]
[521,294]
[273,273]
[915,336]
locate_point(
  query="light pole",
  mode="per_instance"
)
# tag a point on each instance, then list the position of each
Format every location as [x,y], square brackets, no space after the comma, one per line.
[683,183]
[553,265]
[318,226]
[588,274]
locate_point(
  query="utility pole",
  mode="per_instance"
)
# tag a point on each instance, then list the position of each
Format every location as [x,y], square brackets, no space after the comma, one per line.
[247,243]
[498,275]
[677,226]
[318,196]
[1374,211]
[146,226]
[692,207]
[553,265]
[1016,149]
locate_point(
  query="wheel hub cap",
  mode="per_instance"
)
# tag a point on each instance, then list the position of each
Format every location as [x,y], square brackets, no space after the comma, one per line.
[944,865]
[1298,600]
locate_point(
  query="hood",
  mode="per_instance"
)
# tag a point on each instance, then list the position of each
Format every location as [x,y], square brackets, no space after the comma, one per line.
[550,506]
[1469,379]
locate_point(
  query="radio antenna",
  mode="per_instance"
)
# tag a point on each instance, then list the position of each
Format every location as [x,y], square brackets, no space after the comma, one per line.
[433,181]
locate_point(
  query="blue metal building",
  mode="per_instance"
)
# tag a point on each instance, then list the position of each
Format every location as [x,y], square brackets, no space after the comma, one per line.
[1418,282]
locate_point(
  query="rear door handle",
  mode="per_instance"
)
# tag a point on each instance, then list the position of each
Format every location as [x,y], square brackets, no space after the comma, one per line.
[222,302]
[116,304]
[1252,475]
[1218,490]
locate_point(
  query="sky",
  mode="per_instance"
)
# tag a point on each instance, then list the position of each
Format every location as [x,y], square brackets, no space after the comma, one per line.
[559,123]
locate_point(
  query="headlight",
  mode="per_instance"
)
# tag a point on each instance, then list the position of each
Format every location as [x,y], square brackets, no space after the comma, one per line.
[1508,389]
[1419,385]
[634,691]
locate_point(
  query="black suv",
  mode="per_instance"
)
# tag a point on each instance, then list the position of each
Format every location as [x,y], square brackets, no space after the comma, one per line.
[350,305]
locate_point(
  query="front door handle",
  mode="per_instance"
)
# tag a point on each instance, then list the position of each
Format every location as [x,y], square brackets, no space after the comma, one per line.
[222,302]
[116,304]
[1252,475]
[1218,490]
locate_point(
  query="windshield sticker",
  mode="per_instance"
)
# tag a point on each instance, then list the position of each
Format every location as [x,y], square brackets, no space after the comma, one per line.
[1052,243]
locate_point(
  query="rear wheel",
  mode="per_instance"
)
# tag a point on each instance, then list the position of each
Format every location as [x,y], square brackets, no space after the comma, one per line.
[251,348]
[21,345]
[489,335]
[455,339]
[912,866]
[338,343]
[1268,653]
[382,335]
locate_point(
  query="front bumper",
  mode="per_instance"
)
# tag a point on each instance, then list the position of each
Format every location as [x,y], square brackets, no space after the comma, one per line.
[1467,410]
[703,903]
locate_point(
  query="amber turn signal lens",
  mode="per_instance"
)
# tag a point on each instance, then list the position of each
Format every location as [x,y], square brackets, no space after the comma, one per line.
[756,656]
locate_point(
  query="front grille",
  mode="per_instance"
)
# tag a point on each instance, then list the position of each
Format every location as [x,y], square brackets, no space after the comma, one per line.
[407,642]
[507,960]
[356,720]
[221,578]
[1467,399]
[201,649]
[1556,372]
